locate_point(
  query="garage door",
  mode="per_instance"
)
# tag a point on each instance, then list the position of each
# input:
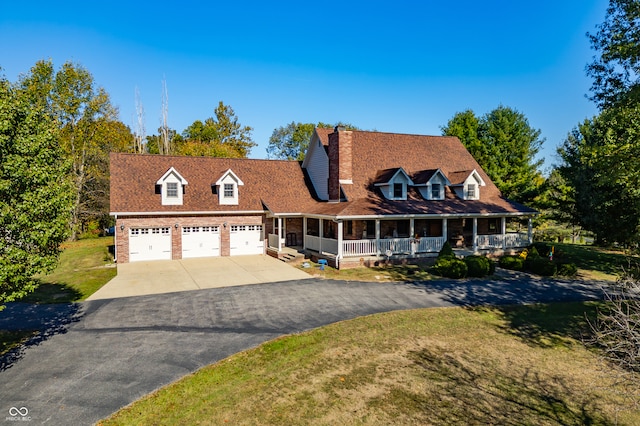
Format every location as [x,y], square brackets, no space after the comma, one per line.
[246,239]
[149,244]
[200,241]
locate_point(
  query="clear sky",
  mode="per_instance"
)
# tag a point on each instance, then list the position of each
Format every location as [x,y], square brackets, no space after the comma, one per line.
[394,66]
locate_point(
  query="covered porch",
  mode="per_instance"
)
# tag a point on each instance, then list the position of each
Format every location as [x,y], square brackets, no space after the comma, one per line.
[341,239]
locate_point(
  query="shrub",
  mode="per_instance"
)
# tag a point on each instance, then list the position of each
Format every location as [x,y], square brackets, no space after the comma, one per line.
[533,253]
[450,267]
[477,266]
[515,263]
[542,248]
[567,269]
[542,266]
[446,250]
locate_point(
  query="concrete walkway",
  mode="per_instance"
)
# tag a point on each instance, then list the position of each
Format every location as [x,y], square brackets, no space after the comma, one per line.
[93,358]
[168,276]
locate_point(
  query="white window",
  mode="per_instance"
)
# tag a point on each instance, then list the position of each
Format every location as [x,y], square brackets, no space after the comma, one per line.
[398,190]
[172,189]
[435,191]
[228,190]
[471,191]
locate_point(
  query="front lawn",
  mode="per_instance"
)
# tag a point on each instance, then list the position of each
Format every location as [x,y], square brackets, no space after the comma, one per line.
[503,365]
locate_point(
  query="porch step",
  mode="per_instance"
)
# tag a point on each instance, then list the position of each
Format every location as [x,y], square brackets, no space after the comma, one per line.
[290,257]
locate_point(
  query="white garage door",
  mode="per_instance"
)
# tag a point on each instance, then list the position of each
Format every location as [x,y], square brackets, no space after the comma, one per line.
[149,244]
[246,239]
[200,241]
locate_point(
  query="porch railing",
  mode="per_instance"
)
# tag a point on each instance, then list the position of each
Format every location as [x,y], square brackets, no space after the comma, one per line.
[359,248]
[273,240]
[511,240]
[324,245]
[368,247]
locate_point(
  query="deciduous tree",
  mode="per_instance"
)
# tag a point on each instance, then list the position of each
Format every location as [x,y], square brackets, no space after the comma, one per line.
[616,67]
[291,141]
[220,136]
[35,191]
[79,109]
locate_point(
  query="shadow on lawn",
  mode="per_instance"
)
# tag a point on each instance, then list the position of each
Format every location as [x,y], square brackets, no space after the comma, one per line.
[52,293]
[489,394]
[46,320]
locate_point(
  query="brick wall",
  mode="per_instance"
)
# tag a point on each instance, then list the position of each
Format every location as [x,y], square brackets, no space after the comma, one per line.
[340,161]
[122,235]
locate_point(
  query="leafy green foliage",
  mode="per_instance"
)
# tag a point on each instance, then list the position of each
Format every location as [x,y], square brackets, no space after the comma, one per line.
[222,136]
[290,142]
[478,266]
[515,263]
[616,71]
[35,191]
[87,131]
[505,146]
[600,162]
[450,267]
[446,250]
[567,269]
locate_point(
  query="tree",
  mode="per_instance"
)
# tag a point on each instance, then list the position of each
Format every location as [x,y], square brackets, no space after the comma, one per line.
[78,108]
[616,69]
[505,146]
[291,142]
[35,192]
[220,136]
[600,162]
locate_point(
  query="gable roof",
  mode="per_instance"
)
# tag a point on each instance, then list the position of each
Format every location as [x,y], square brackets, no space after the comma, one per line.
[417,155]
[278,184]
[383,177]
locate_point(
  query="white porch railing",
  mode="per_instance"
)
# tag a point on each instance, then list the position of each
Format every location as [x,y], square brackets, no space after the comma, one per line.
[273,241]
[324,245]
[430,244]
[359,248]
[511,240]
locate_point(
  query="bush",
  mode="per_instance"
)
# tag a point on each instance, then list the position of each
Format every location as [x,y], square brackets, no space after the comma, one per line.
[542,248]
[515,263]
[567,269]
[450,267]
[477,266]
[446,250]
[542,266]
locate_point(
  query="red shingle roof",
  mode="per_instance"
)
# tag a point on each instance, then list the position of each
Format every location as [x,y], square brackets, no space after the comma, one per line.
[278,184]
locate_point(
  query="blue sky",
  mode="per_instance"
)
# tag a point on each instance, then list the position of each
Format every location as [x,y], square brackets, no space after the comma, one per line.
[403,66]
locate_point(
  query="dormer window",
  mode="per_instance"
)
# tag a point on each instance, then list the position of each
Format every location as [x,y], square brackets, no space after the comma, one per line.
[393,183]
[172,189]
[228,190]
[435,191]
[467,184]
[171,186]
[471,191]
[228,193]
[398,190]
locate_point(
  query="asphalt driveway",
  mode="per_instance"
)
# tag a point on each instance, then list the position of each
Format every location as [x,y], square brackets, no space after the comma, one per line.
[95,357]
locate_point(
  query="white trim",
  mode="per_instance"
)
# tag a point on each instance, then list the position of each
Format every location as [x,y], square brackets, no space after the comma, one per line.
[189,213]
[229,173]
[172,170]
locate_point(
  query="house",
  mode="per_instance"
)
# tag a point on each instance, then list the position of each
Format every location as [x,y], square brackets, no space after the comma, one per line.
[357,196]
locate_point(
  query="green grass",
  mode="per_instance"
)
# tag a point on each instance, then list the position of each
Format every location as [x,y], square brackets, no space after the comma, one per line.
[513,365]
[84,267]
[12,339]
[595,262]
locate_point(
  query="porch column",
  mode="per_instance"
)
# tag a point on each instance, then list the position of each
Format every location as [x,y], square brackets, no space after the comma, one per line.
[412,230]
[378,237]
[320,234]
[445,231]
[304,233]
[339,255]
[279,233]
[530,231]
[504,232]
[475,234]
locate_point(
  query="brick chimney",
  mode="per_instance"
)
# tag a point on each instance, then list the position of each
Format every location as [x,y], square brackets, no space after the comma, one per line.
[340,161]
